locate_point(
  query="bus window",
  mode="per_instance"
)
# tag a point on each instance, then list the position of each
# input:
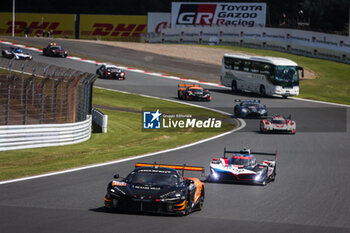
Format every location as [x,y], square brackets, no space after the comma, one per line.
[246,66]
[265,69]
[238,64]
[228,62]
[254,67]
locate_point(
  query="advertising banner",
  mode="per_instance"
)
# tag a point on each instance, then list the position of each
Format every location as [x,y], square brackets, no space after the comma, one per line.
[111,26]
[157,21]
[37,24]
[215,13]
[307,43]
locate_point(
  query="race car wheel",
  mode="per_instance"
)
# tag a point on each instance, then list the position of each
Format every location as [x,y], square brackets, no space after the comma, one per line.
[273,176]
[178,95]
[188,207]
[201,200]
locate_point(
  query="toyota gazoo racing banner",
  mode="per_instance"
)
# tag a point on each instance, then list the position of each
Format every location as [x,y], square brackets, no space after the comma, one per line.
[225,13]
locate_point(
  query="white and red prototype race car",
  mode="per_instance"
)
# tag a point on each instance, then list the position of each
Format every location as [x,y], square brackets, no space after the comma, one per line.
[278,124]
[242,167]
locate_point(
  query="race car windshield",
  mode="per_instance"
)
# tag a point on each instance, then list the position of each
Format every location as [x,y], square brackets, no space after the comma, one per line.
[113,70]
[196,89]
[154,179]
[57,47]
[251,105]
[241,160]
[279,121]
[18,50]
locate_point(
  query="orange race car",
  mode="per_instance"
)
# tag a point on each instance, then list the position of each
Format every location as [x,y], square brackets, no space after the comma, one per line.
[192,92]
[156,188]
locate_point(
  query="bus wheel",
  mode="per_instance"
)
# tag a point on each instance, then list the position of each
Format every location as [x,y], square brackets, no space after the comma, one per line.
[262,90]
[234,86]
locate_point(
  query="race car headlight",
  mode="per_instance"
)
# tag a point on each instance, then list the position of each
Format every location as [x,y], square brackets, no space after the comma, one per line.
[190,92]
[262,111]
[258,176]
[214,174]
[54,51]
[244,110]
[117,190]
[172,196]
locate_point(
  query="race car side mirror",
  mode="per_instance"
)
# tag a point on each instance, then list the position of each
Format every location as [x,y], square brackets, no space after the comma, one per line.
[116,176]
[189,182]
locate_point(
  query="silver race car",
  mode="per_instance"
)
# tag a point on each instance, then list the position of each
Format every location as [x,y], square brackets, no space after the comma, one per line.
[16,53]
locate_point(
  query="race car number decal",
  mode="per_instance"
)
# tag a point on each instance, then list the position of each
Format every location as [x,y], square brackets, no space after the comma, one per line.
[118,183]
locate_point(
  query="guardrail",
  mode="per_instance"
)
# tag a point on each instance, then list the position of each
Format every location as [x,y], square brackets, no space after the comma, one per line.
[14,137]
[100,119]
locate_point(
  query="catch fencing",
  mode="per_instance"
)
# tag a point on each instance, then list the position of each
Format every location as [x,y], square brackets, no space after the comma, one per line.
[43,94]
[43,105]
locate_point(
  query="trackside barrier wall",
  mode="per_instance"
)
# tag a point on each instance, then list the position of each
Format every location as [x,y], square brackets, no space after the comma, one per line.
[16,137]
[306,43]
[100,119]
[106,27]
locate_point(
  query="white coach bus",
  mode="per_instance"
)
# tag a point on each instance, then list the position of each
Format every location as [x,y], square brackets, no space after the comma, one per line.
[263,75]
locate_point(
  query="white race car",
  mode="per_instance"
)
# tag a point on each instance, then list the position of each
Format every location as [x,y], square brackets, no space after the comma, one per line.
[242,167]
[278,124]
[16,53]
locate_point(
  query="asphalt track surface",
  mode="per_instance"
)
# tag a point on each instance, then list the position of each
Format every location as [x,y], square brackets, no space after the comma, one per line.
[310,194]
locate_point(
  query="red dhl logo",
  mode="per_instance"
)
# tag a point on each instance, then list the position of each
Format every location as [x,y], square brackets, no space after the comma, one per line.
[37,27]
[107,29]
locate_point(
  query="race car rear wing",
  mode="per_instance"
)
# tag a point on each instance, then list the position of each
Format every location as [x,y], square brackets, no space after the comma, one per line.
[247,101]
[188,85]
[176,167]
[248,151]
[285,117]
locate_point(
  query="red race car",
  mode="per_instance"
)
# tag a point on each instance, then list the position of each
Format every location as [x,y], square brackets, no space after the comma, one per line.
[278,124]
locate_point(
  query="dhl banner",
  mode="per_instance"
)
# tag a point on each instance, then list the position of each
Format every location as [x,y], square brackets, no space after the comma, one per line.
[35,24]
[111,26]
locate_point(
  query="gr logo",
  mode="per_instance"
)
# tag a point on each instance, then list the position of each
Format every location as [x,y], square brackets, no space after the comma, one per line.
[152,120]
[196,14]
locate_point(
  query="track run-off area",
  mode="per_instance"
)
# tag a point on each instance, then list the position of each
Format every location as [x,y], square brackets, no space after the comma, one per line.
[310,194]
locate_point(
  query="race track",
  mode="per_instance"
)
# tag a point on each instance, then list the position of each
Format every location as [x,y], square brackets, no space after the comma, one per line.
[310,194]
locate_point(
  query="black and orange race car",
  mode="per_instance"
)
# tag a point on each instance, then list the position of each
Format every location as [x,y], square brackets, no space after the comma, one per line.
[192,92]
[156,188]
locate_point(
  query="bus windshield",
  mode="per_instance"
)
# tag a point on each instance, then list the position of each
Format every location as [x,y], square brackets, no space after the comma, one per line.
[286,75]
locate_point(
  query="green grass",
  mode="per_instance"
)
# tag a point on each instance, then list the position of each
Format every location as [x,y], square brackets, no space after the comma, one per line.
[332,83]
[124,138]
